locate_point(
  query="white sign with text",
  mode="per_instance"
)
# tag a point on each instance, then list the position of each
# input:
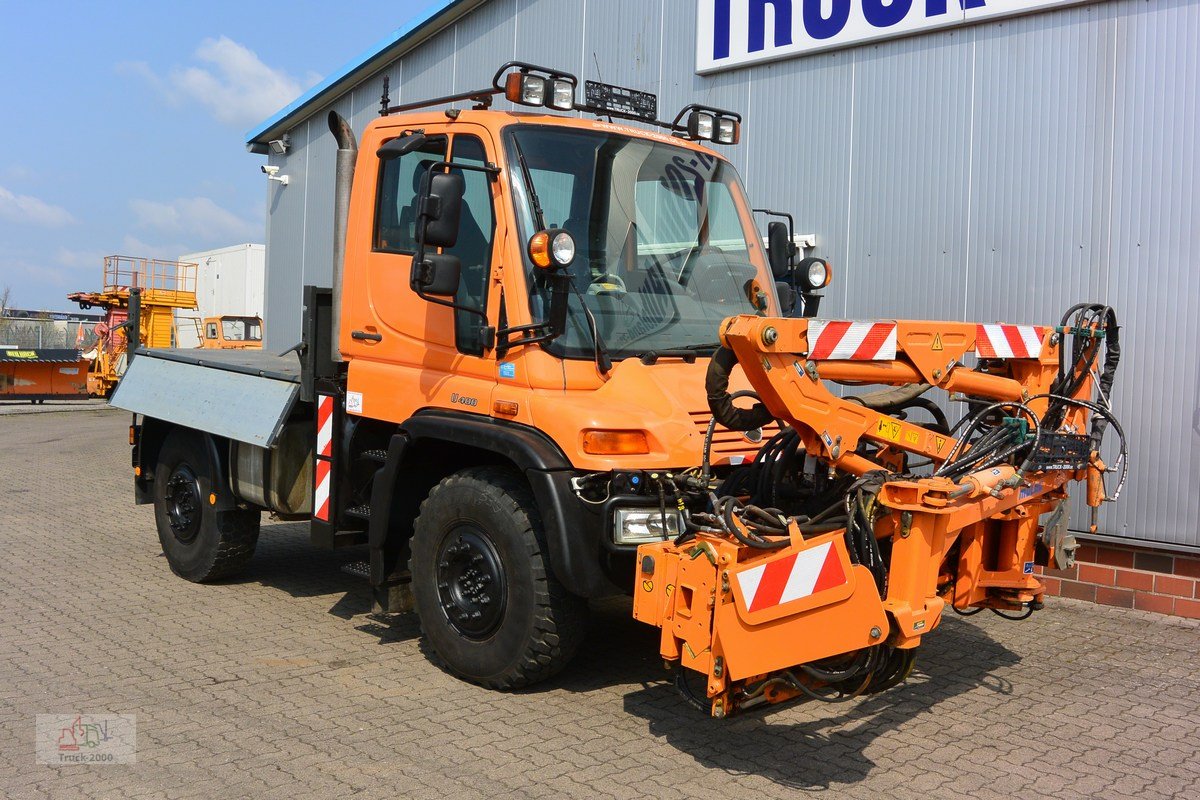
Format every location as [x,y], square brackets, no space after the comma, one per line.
[733,33]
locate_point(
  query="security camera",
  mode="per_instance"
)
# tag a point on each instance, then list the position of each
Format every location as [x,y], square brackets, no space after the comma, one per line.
[272,173]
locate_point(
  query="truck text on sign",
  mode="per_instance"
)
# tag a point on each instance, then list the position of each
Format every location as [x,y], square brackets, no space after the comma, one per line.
[732,33]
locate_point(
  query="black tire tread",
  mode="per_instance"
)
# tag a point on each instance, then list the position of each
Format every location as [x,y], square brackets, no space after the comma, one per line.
[560,619]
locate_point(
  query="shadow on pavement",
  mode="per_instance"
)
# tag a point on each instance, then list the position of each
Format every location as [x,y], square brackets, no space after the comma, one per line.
[825,749]
[285,560]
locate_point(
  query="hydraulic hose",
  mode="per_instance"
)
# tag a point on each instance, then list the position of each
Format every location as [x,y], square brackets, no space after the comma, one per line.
[720,401]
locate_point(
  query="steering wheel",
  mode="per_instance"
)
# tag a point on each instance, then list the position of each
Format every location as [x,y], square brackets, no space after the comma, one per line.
[607,284]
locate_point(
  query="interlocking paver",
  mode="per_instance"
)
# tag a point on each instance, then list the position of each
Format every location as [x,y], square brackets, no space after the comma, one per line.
[278,684]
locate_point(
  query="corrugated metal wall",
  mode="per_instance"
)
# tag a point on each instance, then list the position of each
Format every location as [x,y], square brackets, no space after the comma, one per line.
[997,172]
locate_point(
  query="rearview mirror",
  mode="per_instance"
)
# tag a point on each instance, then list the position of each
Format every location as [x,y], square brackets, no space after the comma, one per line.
[441,207]
[437,274]
[780,249]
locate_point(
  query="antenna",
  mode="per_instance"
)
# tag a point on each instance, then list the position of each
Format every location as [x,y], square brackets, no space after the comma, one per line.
[384,101]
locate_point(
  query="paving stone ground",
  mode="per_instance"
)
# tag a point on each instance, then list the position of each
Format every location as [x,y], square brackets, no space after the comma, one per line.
[279,685]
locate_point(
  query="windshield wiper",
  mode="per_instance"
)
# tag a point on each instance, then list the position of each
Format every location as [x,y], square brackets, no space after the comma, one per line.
[538,218]
[599,351]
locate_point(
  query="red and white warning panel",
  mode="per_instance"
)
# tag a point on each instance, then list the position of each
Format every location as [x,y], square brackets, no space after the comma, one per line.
[792,577]
[324,466]
[321,490]
[1009,341]
[839,339]
[324,425]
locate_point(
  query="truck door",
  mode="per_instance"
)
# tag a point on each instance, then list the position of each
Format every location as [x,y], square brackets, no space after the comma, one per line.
[425,354]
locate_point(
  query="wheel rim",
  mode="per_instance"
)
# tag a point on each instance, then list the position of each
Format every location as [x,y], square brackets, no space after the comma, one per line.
[183,503]
[471,582]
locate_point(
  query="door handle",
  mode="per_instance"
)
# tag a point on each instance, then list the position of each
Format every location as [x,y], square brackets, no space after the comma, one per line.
[364,336]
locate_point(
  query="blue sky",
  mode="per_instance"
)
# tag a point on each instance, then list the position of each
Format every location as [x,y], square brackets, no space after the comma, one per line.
[124,124]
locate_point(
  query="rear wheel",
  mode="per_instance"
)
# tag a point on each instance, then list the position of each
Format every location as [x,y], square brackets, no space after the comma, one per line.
[200,543]
[490,607]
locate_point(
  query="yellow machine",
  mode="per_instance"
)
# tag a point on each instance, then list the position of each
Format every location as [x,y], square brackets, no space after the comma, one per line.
[163,287]
[230,332]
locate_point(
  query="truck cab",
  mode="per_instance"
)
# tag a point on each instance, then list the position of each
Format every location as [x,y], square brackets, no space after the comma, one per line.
[228,332]
[508,378]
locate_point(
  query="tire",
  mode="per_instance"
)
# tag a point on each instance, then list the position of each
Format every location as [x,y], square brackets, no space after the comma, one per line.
[516,626]
[200,543]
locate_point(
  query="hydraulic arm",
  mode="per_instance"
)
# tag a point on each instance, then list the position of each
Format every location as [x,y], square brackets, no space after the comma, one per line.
[817,570]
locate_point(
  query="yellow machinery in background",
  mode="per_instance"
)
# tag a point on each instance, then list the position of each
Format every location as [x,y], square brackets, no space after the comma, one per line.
[164,287]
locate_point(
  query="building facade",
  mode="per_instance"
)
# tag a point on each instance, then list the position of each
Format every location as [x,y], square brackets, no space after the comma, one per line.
[229,281]
[961,160]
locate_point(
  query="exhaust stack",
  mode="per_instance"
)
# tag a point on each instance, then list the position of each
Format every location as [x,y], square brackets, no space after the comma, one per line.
[342,181]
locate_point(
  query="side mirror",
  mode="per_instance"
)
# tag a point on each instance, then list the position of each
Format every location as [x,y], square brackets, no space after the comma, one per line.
[781,250]
[437,275]
[441,207]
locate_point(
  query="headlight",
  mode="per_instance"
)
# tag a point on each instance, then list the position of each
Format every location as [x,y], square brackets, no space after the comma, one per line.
[562,94]
[814,273]
[562,247]
[641,525]
[529,90]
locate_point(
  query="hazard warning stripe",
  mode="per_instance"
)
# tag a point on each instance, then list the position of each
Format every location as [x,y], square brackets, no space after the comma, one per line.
[851,341]
[321,490]
[1009,341]
[792,577]
[324,425]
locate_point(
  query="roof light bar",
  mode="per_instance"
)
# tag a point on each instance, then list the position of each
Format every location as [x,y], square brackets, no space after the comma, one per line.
[541,87]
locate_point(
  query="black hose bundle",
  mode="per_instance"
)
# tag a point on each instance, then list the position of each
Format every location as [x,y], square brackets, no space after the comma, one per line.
[720,401]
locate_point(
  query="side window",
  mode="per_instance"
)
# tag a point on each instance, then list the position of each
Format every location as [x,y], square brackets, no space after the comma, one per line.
[396,208]
[211,333]
[474,246]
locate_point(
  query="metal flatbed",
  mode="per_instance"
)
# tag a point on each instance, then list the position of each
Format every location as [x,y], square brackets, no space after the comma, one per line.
[245,395]
[248,362]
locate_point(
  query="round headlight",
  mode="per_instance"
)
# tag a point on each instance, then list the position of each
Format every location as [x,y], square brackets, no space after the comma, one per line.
[812,274]
[562,248]
[817,274]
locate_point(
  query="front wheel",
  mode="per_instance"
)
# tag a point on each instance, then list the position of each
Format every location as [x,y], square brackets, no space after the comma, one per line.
[200,543]
[490,607]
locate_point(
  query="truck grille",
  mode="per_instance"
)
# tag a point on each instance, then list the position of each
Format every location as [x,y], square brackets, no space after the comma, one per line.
[727,443]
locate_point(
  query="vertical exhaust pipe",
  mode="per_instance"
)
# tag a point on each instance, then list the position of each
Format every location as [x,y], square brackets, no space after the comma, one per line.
[343,179]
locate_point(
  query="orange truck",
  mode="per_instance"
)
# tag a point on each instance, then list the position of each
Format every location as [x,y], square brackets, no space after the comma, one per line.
[558,361]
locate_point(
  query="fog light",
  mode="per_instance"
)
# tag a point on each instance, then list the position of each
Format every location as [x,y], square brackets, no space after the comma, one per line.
[641,525]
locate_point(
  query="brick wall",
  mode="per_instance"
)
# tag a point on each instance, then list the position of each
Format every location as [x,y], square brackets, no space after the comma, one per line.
[1150,580]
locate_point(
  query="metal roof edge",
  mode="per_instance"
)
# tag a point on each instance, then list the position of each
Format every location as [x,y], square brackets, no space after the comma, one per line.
[421,26]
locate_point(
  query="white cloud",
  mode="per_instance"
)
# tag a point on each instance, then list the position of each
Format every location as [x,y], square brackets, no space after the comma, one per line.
[133,246]
[80,259]
[197,217]
[233,83]
[24,208]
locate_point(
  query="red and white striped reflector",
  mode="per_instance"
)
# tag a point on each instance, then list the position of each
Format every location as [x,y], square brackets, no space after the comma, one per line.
[324,425]
[830,339]
[321,490]
[791,577]
[1009,341]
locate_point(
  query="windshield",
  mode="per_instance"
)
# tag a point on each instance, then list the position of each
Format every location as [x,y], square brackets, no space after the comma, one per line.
[661,254]
[241,329]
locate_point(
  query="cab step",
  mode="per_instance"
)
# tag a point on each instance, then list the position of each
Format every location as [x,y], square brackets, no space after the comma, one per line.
[359,512]
[359,569]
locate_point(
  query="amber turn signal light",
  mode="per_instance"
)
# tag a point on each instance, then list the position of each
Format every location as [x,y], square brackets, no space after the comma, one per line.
[599,442]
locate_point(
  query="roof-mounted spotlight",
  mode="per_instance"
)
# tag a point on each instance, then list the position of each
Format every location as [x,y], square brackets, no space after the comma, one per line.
[707,124]
[531,85]
[281,145]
